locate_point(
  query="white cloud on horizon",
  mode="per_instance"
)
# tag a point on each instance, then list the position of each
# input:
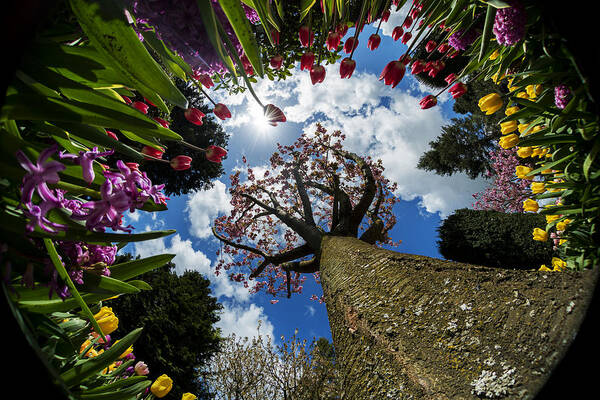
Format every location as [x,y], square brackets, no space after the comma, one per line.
[204,206]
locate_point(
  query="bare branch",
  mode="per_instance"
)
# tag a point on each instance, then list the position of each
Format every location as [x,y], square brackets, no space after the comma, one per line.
[238,245]
[280,258]
[308,213]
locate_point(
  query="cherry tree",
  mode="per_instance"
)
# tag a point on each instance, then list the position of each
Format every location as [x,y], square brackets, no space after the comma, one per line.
[312,189]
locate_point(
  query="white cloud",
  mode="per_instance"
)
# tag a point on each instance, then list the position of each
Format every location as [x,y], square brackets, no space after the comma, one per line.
[202,208]
[243,321]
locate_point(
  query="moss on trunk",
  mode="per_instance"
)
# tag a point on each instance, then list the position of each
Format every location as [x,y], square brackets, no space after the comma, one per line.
[413,327]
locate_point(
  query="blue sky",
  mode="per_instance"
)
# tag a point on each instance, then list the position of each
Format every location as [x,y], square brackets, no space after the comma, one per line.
[378,121]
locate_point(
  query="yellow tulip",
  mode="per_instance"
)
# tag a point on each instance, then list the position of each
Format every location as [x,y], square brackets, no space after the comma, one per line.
[508,141]
[551,218]
[522,128]
[490,103]
[561,241]
[188,396]
[495,54]
[531,205]
[538,187]
[540,235]
[522,172]
[523,95]
[558,264]
[107,320]
[537,128]
[533,90]
[161,386]
[562,225]
[524,152]
[126,352]
[536,151]
[544,268]
[508,127]
[511,110]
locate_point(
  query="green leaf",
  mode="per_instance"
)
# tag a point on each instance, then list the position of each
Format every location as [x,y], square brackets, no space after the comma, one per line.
[94,283]
[131,269]
[106,25]
[140,284]
[551,164]
[496,3]
[487,30]
[121,383]
[174,62]
[589,159]
[62,272]
[94,365]
[305,6]
[241,26]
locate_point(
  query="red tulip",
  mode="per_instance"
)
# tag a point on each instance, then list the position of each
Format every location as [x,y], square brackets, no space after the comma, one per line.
[165,124]
[428,102]
[194,115]
[350,45]
[407,22]
[414,13]
[405,58]
[276,61]
[273,114]
[222,111]
[444,47]
[127,99]
[397,33]
[317,74]
[430,46]
[385,16]
[306,36]
[307,60]
[180,163]
[406,37]
[417,67]
[215,153]
[374,41]
[342,29]
[248,69]
[458,90]
[437,67]
[112,135]
[143,107]
[133,166]
[152,152]
[450,78]
[347,67]
[149,102]
[333,40]
[204,80]
[393,73]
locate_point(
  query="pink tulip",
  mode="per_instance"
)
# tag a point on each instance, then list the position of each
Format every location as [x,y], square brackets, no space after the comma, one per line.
[417,67]
[342,29]
[275,36]
[450,78]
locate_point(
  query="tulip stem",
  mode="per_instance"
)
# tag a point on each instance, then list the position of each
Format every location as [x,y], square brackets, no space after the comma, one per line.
[358,26]
[203,92]
[191,146]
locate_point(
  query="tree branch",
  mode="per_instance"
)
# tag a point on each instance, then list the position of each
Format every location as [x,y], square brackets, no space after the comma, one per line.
[280,258]
[308,213]
[238,245]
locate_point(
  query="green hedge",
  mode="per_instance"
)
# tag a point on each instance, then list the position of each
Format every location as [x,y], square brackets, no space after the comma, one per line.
[494,239]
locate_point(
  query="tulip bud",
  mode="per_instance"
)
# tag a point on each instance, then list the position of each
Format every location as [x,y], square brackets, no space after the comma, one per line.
[204,80]
[385,16]
[406,37]
[143,107]
[273,114]
[405,59]
[161,386]
[275,36]
[107,320]
[397,33]
[317,74]
[342,29]
[181,163]
[458,90]
[347,67]
[407,22]
[276,61]
[393,73]
[127,99]
[162,122]
[141,368]
[417,67]
[307,60]
[430,46]
[112,135]
[215,153]
[306,36]
[350,45]
[428,102]
[152,152]
[333,40]
[222,111]
[194,115]
[450,78]
[374,41]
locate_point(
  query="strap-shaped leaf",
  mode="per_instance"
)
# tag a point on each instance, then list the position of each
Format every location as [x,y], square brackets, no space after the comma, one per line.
[106,25]
[241,26]
[175,63]
[131,269]
[92,366]
[121,383]
[487,30]
[94,283]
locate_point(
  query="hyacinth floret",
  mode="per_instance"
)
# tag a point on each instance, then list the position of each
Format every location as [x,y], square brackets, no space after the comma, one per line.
[179,24]
[509,23]
[562,95]
[460,39]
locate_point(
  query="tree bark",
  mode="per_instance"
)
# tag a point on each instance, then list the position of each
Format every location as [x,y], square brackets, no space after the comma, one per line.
[413,327]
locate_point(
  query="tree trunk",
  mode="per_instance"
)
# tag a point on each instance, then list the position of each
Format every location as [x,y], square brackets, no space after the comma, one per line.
[413,327]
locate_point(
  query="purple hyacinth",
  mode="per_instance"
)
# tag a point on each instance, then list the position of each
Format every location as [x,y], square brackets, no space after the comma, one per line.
[509,24]
[86,160]
[179,24]
[562,95]
[460,39]
[39,175]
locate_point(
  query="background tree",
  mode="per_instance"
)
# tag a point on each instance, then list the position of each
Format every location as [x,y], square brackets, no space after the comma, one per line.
[257,369]
[178,317]
[495,239]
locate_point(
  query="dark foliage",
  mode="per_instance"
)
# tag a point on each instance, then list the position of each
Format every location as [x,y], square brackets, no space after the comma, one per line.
[178,316]
[493,239]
